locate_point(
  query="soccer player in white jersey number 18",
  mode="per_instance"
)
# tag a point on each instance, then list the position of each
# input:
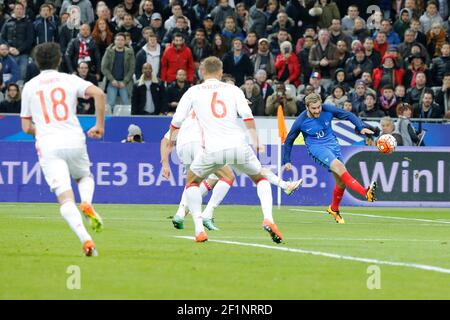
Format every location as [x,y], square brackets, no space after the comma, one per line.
[217,106]
[49,103]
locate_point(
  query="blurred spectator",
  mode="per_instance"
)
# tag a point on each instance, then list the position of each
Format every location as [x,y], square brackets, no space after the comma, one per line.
[86,106]
[86,10]
[177,12]
[414,94]
[309,32]
[392,37]
[150,53]
[405,47]
[370,107]
[70,29]
[258,20]
[388,101]
[273,8]
[337,96]
[430,17]
[357,65]
[12,101]
[131,7]
[330,11]
[129,25]
[400,93]
[387,73]
[283,21]
[287,65]
[9,67]
[373,55]
[145,18]
[3,16]
[237,63]
[428,109]
[219,47]
[281,36]
[380,44]
[388,127]
[177,56]
[118,65]
[416,27]
[231,31]
[45,27]
[18,33]
[440,65]
[339,79]
[119,14]
[323,57]
[416,64]
[200,47]
[250,44]
[175,91]
[134,135]
[436,38]
[315,85]
[148,94]
[348,106]
[201,10]
[83,48]
[252,93]
[222,11]
[280,97]
[357,96]
[343,53]
[264,59]
[360,32]
[303,57]
[265,87]
[348,22]
[102,35]
[210,28]
[402,23]
[443,96]
[157,26]
[404,126]
[336,33]
[242,17]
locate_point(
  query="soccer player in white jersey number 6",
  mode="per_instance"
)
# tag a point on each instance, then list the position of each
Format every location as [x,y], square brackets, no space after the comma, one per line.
[217,106]
[49,103]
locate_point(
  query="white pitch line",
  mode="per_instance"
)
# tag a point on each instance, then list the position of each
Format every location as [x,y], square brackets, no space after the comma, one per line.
[332,255]
[375,216]
[336,239]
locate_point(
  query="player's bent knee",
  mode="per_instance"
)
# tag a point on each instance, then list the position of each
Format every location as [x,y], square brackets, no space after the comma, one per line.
[64,195]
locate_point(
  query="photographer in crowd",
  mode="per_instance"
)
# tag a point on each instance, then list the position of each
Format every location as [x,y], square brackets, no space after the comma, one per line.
[280,97]
[134,135]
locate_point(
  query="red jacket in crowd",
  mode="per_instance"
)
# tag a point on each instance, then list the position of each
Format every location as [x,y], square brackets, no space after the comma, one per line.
[173,60]
[293,65]
[398,73]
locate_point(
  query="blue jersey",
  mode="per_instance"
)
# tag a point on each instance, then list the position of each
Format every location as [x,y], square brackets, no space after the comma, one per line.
[317,132]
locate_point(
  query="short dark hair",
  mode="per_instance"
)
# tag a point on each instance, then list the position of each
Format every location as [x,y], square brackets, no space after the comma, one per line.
[48,56]
[388,87]
[428,91]
[120,34]
[447,74]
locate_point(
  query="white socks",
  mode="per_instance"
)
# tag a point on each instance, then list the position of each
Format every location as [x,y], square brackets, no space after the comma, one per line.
[194,200]
[204,188]
[265,197]
[70,213]
[182,208]
[274,179]
[219,192]
[86,187]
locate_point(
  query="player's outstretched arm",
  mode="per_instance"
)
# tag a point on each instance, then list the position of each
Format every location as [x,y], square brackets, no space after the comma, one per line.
[28,126]
[346,115]
[98,130]
[165,151]
[293,134]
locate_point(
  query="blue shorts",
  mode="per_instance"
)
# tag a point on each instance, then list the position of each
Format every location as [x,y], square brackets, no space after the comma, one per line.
[325,154]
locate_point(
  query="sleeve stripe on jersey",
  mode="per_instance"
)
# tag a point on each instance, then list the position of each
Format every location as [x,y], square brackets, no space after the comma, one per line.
[27,118]
[249,119]
[175,127]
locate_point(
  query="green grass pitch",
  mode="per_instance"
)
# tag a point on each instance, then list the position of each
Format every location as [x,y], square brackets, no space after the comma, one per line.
[141,257]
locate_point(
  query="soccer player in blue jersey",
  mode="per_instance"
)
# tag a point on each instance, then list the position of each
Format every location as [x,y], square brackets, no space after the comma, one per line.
[315,125]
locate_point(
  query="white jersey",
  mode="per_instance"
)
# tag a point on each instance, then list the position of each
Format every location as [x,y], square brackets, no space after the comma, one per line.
[50,100]
[217,106]
[189,131]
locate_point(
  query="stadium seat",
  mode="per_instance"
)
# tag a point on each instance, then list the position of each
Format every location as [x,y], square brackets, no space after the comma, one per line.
[122,110]
[108,110]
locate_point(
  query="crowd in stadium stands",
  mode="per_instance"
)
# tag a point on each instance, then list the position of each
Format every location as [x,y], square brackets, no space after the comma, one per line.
[393,62]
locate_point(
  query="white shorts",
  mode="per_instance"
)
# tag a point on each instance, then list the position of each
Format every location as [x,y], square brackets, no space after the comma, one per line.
[187,153]
[242,158]
[59,165]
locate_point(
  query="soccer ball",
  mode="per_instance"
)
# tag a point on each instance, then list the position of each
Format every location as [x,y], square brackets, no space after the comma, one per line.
[386,143]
